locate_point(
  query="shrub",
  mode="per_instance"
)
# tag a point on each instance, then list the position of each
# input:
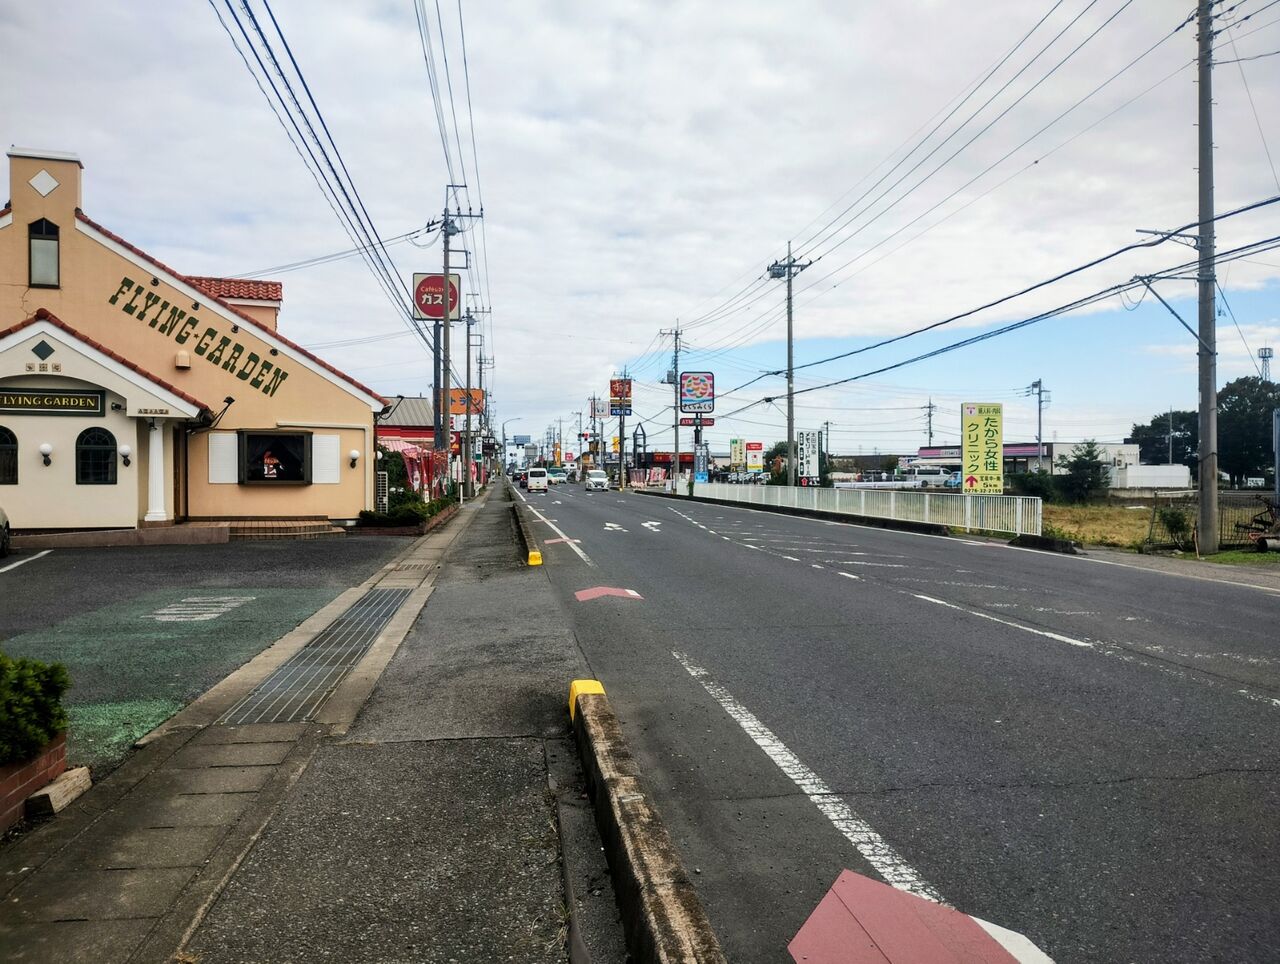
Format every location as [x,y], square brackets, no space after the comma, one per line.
[1177,522]
[1040,484]
[406,514]
[31,712]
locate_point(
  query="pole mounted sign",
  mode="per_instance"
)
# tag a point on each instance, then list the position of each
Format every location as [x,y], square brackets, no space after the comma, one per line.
[982,460]
[428,296]
[807,456]
[619,396]
[755,456]
[697,392]
[701,462]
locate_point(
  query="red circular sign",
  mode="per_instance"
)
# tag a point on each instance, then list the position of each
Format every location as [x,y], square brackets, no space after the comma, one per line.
[428,297]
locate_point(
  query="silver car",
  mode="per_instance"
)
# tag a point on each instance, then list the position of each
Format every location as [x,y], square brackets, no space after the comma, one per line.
[597,481]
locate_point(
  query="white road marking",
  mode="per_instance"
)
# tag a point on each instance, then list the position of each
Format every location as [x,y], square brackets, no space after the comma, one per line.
[571,543]
[614,527]
[652,526]
[198,609]
[791,558]
[816,566]
[887,862]
[1108,649]
[848,575]
[23,562]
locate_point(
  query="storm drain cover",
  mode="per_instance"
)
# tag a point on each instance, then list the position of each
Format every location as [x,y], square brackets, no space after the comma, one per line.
[295,691]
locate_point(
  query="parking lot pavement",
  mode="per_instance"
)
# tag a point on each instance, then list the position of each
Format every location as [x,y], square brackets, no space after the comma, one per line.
[143,631]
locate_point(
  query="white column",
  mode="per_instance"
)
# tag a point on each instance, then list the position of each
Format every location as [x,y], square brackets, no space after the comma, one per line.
[156,478]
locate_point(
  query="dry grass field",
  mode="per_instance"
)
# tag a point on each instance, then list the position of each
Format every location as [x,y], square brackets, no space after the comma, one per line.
[1099,525]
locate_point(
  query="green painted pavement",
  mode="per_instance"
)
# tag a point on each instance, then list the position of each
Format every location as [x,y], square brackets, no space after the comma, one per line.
[130,672]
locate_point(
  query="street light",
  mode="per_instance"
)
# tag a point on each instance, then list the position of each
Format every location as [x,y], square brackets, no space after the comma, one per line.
[504,439]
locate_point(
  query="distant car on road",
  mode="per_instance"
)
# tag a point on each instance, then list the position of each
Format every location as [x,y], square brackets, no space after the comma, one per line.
[597,481]
[953,481]
[523,478]
[4,534]
[537,480]
[556,475]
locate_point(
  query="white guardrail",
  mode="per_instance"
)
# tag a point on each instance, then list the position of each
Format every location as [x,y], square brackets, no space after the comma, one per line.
[1017,514]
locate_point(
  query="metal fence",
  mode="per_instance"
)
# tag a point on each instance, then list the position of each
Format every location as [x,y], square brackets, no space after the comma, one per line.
[1016,514]
[1242,517]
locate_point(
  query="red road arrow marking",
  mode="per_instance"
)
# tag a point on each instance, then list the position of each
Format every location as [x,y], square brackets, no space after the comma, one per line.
[583,595]
[862,921]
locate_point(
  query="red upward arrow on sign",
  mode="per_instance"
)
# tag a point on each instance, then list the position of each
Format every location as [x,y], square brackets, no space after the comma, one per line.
[971,481]
[583,595]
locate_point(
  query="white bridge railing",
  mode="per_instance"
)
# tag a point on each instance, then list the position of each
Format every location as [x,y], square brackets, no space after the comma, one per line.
[1017,514]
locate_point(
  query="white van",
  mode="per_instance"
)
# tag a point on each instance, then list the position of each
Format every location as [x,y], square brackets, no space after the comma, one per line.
[537,480]
[928,475]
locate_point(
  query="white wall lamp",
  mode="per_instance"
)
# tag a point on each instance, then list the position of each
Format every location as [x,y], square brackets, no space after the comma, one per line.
[125,453]
[46,450]
[354,456]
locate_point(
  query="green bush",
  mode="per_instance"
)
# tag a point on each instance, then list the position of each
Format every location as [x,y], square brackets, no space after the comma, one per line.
[406,514]
[31,712]
[1040,484]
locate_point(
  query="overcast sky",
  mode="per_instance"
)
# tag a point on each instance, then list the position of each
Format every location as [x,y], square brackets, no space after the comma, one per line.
[643,162]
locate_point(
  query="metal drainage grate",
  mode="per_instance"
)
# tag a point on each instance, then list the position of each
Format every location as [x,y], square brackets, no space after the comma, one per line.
[296,690]
[415,567]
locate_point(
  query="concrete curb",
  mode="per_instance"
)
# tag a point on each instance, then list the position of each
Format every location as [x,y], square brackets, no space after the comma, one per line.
[927,528]
[534,554]
[662,916]
[1046,543]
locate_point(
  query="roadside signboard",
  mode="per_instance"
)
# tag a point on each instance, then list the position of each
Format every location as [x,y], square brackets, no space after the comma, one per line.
[428,296]
[697,392]
[755,456]
[737,454]
[520,440]
[698,420]
[701,462]
[619,396]
[599,409]
[458,401]
[982,461]
[807,471]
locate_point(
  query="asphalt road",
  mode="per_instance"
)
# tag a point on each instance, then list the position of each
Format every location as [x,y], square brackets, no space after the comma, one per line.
[1080,751]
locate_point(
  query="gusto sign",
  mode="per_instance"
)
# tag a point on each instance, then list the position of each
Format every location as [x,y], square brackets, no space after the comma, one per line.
[429,296]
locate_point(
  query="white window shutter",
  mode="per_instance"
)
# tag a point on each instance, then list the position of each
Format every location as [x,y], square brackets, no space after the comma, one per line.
[224,458]
[326,460]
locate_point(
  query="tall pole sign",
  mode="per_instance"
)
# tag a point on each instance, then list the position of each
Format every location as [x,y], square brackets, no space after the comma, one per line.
[982,454]
[807,458]
[428,296]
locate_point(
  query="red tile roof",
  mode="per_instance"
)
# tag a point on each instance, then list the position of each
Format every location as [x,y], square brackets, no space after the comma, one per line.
[270,335]
[4,211]
[44,314]
[238,288]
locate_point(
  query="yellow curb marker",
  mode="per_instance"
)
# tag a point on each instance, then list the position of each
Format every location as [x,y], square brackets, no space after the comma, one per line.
[535,557]
[580,687]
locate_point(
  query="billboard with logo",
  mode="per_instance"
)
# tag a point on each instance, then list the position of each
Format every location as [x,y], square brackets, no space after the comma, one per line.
[697,392]
[755,456]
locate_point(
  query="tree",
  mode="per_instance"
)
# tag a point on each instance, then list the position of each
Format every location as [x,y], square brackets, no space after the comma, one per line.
[1244,427]
[1153,439]
[1085,472]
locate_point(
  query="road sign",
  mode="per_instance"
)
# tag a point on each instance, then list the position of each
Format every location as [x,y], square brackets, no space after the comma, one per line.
[701,462]
[807,469]
[697,392]
[737,453]
[619,396]
[982,435]
[755,456]
[428,296]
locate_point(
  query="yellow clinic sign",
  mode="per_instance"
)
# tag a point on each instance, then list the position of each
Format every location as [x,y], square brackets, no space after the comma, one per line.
[982,460]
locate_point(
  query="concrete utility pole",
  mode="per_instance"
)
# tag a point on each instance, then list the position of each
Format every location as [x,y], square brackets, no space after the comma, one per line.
[1208,353]
[675,408]
[1038,390]
[578,446]
[622,444]
[789,269]
[929,410]
[467,486]
[1171,435]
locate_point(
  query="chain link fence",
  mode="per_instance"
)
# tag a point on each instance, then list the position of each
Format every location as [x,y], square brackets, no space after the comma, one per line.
[1242,517]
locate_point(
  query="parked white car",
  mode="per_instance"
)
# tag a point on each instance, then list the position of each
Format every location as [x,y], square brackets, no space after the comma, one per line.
[597,481]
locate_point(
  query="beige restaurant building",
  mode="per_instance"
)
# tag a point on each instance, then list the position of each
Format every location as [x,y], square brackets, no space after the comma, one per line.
[133,395]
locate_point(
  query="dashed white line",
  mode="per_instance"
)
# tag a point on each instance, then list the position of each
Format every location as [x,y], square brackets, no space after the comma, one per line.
[889,864]
[23,562]
[571,543]
[848,575]
[814,565]
[791,558]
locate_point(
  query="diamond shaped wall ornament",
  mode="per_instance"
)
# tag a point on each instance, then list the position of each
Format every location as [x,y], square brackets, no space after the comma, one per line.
[44,183]
[42,350]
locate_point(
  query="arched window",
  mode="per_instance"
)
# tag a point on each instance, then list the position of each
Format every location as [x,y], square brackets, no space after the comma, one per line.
[42,238]
[8,457]
[96,457]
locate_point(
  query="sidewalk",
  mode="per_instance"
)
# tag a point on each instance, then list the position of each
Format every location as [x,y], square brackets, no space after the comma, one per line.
[429,829]
[1259,577]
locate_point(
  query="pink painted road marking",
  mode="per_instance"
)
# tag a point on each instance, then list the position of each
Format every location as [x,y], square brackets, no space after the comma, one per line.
[552,542]
[583,595]
[862,921]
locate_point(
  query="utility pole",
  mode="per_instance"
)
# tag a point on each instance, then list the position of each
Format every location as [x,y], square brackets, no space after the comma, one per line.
[929,410]
[578,446]
[675,408]
[1171,435]
[622,444]
[467,485]
[827,428]
[789,269]
[1208,353]
[1038,390]
[559,441]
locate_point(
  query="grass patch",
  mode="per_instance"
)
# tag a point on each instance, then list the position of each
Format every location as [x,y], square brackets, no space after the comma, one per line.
[1098,525]
[1243,557]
